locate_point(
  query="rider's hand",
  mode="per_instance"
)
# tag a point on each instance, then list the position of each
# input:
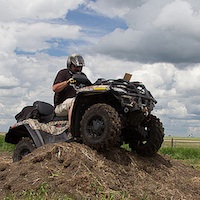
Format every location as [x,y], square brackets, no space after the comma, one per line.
[71,81]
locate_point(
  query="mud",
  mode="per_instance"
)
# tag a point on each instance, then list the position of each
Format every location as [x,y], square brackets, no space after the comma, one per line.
[82,173]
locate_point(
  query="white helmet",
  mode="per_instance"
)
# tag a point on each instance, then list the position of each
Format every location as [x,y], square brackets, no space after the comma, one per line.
[75,59]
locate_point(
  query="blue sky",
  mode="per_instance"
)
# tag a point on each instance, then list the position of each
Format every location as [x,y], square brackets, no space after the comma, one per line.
[97,23]
[157,41]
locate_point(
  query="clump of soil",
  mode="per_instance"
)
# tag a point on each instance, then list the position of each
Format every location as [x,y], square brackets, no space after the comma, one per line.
[80,172]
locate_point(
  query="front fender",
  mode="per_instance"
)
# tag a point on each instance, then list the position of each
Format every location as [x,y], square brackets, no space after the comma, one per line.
[83,101]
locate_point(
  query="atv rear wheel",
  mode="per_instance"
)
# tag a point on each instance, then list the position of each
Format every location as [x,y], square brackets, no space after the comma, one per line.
[100,126]
[149,144]
[23,147]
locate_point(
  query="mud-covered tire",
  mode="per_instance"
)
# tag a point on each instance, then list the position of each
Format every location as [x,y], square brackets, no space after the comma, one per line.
[149,145]
[22,148]
[100,126]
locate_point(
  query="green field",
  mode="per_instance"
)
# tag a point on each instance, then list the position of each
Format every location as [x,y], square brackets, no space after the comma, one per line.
[5,146]
[182,148]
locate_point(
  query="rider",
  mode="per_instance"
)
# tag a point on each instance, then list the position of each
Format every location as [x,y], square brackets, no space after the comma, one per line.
[65,93]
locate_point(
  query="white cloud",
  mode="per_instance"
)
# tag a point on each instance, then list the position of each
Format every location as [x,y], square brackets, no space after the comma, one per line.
[35,36]
[46,9]
[8,82]
[112,8]
[176,108]
[35,26]
[183,20]
[164,31]
[187,81]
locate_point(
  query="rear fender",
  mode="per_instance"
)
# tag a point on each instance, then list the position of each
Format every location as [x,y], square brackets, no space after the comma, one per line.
[15,134]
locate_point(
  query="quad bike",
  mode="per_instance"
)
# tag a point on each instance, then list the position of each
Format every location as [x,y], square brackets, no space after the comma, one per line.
[105,114]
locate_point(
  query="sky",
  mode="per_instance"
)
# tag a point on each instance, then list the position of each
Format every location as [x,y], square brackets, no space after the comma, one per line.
[158,42]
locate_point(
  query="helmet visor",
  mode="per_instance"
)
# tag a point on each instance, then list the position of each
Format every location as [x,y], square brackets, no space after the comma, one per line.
[78,61]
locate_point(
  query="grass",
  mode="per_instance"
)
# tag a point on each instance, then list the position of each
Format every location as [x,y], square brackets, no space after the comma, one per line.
[5,146]
[189,155]
[181,152]
[182,148]
[41,194]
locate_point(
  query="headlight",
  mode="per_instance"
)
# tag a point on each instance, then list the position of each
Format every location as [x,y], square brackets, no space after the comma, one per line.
[141,90]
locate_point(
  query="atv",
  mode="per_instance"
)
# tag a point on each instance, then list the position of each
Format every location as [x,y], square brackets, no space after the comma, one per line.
[106,113]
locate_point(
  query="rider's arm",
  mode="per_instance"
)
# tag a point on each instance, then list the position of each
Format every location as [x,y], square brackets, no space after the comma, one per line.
[60,86]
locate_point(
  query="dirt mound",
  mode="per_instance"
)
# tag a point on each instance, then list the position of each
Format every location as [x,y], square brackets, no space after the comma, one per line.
[80,172]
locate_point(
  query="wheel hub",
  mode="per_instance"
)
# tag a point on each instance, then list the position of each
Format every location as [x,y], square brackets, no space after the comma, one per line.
[96,126]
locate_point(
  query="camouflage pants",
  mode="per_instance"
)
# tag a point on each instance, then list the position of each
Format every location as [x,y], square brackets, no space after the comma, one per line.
[63,108]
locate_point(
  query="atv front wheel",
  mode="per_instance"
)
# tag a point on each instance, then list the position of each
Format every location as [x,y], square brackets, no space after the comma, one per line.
[22,148]
[147,139]
[100,126]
